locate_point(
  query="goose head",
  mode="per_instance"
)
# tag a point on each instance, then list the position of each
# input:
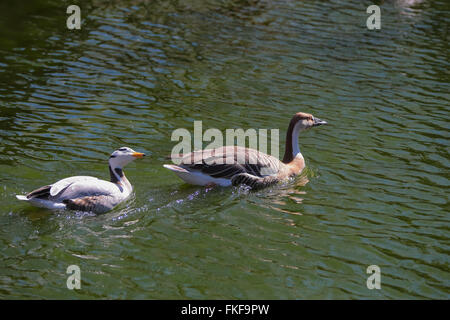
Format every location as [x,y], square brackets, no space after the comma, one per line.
[303,121]
[300,121]
[122,156]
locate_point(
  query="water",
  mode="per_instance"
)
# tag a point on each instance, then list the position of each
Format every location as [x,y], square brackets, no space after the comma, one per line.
[377,176]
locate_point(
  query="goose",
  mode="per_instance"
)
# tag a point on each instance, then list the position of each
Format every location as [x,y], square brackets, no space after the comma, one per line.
[235,165]
[86,193]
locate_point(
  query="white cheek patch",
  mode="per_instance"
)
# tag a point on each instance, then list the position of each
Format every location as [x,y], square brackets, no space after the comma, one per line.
[120,161]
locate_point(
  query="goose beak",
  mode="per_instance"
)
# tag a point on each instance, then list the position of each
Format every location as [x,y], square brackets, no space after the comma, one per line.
[138,154]
[318,122]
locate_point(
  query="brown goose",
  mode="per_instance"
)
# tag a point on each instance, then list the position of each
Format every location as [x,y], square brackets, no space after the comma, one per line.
[233,165]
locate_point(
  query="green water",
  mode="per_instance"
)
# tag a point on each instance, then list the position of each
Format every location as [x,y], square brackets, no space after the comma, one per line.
[137,70]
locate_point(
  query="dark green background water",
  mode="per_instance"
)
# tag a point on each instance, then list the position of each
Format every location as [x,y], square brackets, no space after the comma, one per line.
[378,174]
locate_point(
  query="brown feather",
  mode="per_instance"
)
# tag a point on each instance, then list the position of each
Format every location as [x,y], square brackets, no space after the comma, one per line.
[229,161]
[89,203]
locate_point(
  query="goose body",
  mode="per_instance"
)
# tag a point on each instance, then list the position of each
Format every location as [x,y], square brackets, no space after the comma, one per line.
[234,165]
[87,193]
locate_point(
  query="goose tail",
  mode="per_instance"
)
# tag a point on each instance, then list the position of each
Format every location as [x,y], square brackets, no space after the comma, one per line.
[20,197]
[175,168]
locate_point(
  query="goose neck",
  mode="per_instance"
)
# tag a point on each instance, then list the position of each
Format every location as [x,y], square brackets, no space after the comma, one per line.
[118,177]
[292,148]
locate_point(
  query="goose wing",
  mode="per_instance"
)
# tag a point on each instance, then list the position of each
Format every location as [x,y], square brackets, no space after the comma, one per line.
[81,186]
[57,187]
[227,162]
[62,184]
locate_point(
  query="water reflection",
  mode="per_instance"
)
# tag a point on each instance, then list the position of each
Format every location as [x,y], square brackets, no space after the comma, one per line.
[410,7]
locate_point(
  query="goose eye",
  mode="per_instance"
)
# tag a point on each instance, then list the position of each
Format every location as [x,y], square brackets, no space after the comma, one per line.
[123,149]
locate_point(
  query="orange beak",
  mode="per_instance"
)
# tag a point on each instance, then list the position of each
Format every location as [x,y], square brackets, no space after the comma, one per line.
[138,155]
